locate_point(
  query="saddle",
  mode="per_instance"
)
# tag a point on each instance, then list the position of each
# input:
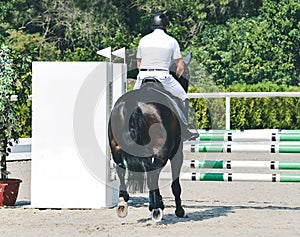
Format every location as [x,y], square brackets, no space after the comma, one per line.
[154,85]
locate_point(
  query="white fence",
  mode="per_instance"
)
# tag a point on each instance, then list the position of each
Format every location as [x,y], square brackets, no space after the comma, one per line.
[23,149]
[228,95]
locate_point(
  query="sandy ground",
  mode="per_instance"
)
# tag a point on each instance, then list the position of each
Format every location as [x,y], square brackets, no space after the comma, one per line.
[214,209]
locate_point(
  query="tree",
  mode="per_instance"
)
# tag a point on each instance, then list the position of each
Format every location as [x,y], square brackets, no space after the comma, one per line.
[253,49]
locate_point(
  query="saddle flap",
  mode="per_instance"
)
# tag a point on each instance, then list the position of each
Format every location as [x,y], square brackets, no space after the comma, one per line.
[176,108]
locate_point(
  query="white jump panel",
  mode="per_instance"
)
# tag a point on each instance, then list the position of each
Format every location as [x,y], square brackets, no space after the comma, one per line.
[70,160]
[119,81]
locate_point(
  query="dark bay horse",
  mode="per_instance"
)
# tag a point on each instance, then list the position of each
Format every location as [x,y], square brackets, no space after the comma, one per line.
[144,131]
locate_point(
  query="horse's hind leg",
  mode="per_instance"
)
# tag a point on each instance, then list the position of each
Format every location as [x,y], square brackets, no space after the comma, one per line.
[176,190]
[121,171]
[176,164]
[122,207]
[156,205]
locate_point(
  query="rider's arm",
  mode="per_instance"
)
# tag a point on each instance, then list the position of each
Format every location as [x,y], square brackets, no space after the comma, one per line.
[138,63]
[180,67]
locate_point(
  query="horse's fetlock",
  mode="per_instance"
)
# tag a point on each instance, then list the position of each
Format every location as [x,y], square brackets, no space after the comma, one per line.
[124,195]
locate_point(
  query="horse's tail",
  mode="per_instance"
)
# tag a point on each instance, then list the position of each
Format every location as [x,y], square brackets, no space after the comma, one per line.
[136,164]
[139,169]
[129,131]
[136,178]
[140,162]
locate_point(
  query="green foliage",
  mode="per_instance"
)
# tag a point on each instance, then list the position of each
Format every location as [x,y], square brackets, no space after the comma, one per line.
[8,84]
[253,49]
[233,41]
[250,113]
[9,121]
[279,112]
[24,48]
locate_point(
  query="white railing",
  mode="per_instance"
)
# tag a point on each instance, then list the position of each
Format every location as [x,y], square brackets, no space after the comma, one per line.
[228,95]
[22,151]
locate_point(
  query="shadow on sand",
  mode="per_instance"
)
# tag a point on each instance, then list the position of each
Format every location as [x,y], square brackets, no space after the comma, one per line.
[204,212]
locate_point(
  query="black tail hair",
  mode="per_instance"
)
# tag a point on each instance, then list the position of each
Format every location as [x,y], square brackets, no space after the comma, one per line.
[135,152]
[136,174]
[138,170]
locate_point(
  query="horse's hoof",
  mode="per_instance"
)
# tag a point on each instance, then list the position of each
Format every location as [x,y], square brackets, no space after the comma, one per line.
[157,215]
[181,213]
[122,208]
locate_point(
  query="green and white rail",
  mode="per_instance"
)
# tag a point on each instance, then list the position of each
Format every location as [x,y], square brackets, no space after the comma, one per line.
[250,135]
[235,177]
[238,147]
[232,164]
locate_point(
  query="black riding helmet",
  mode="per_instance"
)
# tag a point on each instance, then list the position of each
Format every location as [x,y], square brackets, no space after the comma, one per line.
[159,20]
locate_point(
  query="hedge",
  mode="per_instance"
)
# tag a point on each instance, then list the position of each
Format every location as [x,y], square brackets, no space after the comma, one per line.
[249,113]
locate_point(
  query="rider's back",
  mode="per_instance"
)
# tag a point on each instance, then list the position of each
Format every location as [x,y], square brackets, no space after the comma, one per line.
[157,49]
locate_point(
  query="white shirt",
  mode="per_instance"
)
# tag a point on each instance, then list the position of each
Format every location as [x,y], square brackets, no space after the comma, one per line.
[157,49]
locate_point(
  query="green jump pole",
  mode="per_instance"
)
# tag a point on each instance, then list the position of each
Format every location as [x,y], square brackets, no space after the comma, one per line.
[227,147]
[232,164]
[235,177]
[289,137]
[249,135]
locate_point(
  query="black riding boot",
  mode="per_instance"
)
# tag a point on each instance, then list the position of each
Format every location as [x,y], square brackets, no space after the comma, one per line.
[187,135]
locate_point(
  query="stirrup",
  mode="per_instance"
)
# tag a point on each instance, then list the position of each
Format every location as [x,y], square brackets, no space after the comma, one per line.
[189,136]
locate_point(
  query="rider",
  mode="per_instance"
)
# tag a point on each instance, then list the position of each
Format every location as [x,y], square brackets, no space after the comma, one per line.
[154,54]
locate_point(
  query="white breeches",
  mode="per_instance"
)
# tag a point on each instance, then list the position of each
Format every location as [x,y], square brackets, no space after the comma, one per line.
[168,81]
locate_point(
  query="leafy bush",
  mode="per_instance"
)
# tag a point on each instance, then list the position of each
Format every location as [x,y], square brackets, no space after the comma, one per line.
[250,113]
[9,121]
